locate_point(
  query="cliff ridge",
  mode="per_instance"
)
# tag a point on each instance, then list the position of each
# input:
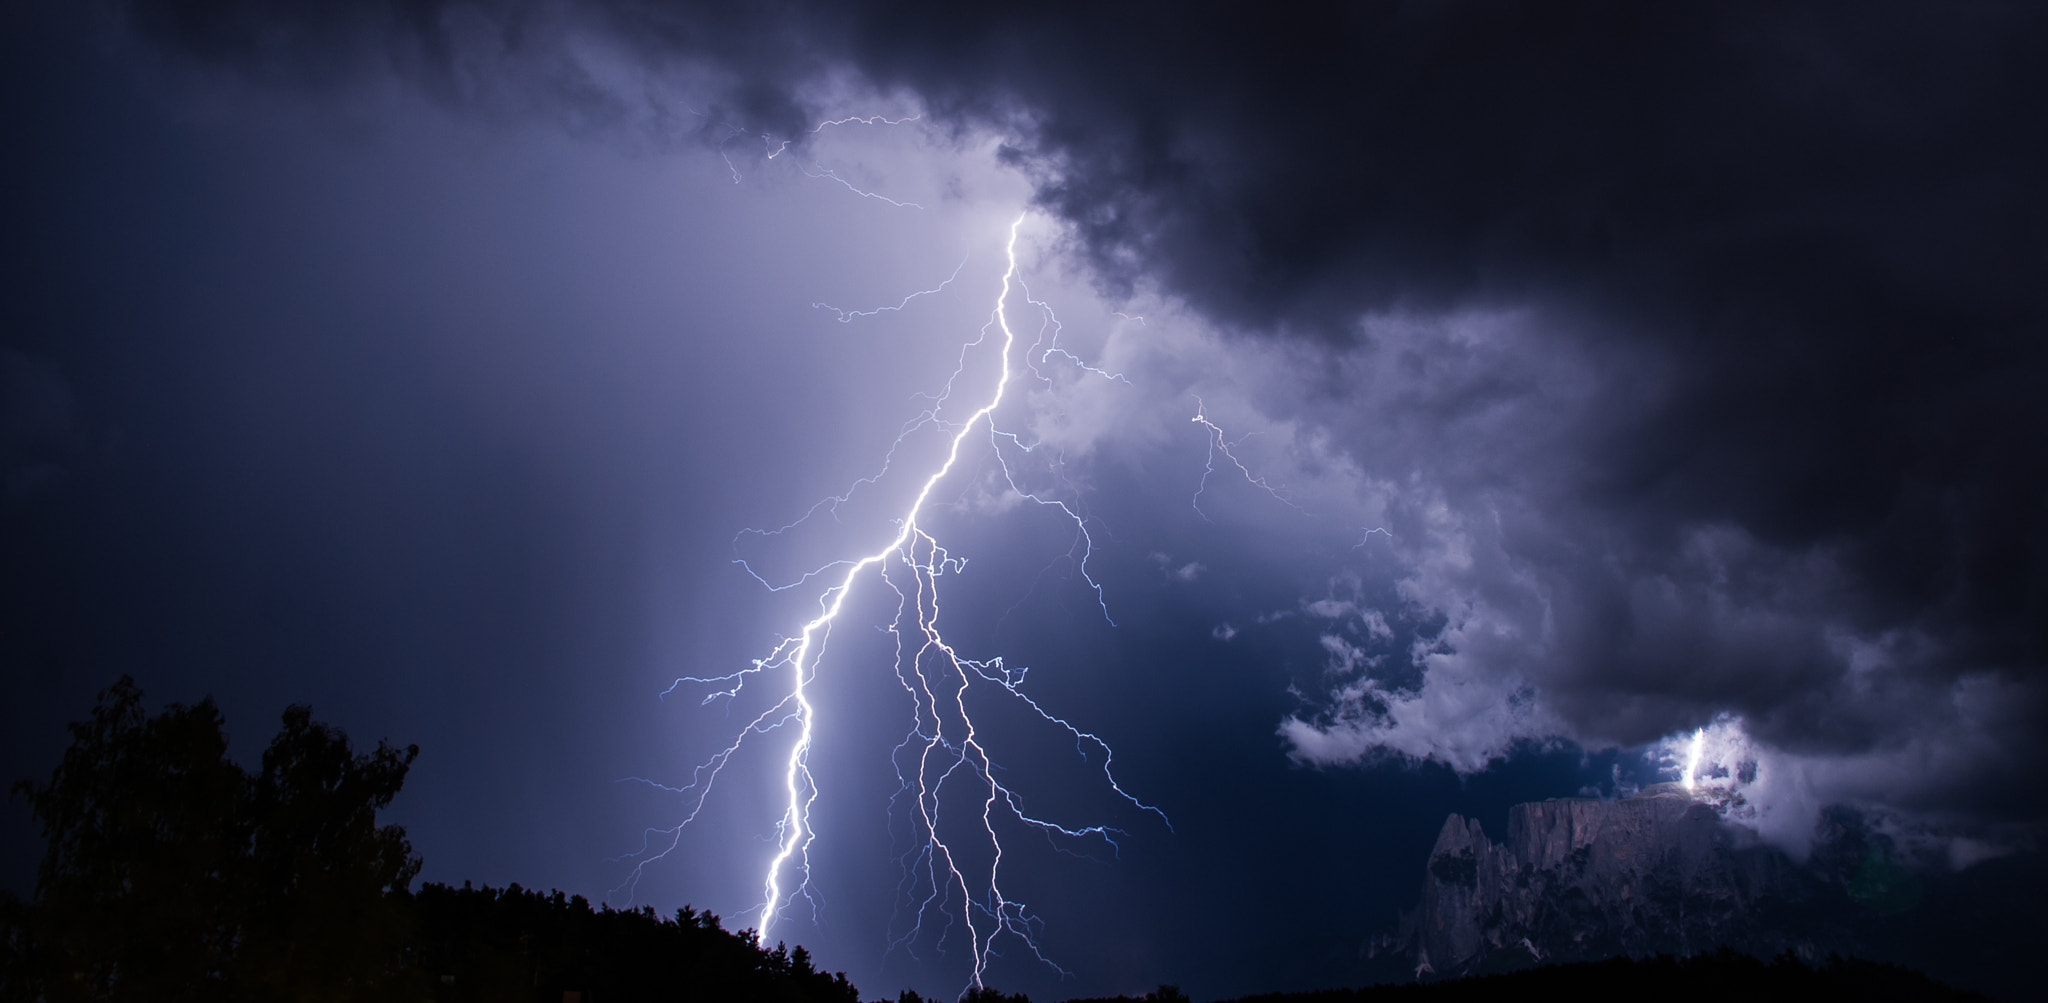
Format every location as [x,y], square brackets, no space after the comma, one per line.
[1579,878]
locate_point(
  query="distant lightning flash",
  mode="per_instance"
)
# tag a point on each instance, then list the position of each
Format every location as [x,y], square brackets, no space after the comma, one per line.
[943,750]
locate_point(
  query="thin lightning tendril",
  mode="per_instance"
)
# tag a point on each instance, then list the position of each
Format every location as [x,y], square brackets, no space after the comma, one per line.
[943,745]
[1367,536]
[865,120]
[817,170]
[847,316]
[1219,444]
[822,172]
[1048,344]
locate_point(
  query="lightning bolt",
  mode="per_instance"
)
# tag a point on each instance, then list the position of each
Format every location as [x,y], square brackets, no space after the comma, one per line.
[943,751]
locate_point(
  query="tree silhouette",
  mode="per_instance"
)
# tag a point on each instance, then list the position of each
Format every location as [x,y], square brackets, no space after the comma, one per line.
[171,874]
[988,994]
[485,944]
[325,919]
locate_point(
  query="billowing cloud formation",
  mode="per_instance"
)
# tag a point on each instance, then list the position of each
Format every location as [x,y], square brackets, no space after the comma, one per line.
[1701,344]
[1551,611]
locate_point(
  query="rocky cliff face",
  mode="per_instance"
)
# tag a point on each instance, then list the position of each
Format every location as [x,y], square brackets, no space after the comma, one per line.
[1581,879]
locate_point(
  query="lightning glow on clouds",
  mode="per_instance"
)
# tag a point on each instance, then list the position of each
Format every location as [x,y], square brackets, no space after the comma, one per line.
[1469,480]
[1496,628]
[1451,450]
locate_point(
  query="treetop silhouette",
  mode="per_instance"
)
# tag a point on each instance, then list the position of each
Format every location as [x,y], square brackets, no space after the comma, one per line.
[171,873]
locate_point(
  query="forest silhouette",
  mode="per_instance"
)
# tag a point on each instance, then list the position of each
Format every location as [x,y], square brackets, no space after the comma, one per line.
[174,874]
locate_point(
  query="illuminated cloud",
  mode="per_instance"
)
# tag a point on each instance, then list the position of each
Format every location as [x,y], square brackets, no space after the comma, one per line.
[1503,380]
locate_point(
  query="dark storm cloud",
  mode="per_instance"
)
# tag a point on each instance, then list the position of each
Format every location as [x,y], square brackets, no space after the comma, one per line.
[1819,232]
[1825,227]
[1790,255]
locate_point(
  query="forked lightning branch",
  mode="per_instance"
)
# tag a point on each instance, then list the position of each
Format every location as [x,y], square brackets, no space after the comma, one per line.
[943,763]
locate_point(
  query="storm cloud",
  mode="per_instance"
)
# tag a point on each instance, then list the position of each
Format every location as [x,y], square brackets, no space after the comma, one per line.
[1698,348]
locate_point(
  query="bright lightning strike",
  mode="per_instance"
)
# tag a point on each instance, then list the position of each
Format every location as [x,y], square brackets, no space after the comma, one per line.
[943,760]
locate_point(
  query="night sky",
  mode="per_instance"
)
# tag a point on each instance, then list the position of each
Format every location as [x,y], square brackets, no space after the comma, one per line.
[1575,379]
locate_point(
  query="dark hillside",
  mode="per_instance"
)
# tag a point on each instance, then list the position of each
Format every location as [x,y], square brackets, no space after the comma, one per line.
[484,944]
[173,874]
